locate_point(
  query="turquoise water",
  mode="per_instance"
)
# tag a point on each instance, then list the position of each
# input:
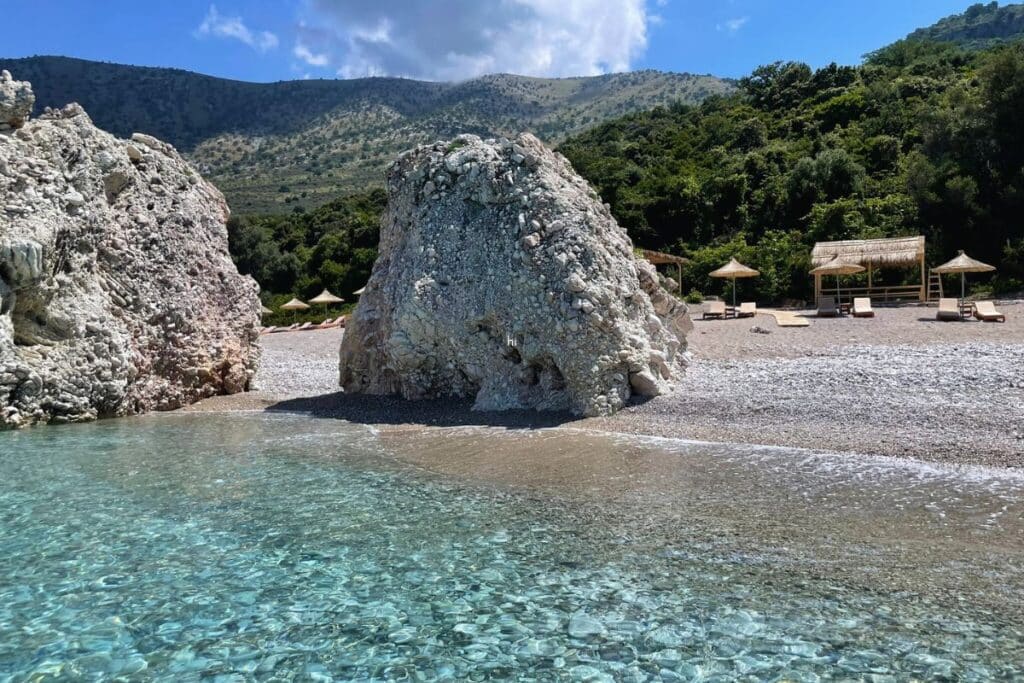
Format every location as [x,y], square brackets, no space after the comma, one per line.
[254,547]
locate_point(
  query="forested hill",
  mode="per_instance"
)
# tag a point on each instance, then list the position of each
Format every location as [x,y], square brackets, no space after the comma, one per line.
[274,146]
[980,26]
[923,138]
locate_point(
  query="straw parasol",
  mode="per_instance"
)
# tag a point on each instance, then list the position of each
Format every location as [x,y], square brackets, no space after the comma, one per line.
[295,305]
[732,270]
[265,311]
[963,264]
[326,298]
[837,266]
[359,292]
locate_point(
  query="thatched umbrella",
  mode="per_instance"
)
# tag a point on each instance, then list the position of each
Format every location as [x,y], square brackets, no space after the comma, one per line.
[359,292]
[732,270]
[963,264]
[326,298]
[295,305]
[264,310]
[837,267]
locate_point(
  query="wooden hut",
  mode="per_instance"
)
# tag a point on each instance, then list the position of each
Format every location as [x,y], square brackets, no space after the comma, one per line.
[896,252]
[657,258]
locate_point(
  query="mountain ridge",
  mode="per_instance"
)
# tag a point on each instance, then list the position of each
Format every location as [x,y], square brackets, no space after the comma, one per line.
[978,27]
[273,146]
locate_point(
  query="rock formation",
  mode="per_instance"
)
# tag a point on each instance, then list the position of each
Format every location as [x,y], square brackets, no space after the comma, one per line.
[16,101]
[117,292]
[502,276]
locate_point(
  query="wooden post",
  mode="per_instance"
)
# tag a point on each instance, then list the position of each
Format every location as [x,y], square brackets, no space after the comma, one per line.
[923,296]
[817,289]
[870,268]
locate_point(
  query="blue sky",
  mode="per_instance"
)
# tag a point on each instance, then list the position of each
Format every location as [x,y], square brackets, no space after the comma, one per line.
[268,40]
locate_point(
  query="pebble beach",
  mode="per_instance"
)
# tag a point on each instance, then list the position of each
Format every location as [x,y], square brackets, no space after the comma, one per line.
[900,384]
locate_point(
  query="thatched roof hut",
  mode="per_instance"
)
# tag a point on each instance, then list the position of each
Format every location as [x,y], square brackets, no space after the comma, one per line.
[658,258]
[891,252]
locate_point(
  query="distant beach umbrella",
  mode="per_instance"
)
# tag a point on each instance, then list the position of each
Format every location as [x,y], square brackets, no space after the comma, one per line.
[359,291]
[295,305]
[837,266]
[733,270]
[265,311]
[326,298]
[963,264]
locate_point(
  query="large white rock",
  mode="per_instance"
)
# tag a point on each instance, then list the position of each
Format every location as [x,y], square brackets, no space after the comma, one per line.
[501,276]
[117,292]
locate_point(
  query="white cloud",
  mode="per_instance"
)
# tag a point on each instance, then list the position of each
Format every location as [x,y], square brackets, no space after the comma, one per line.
[310,57]
[461,39]
[215,24]
[732,26]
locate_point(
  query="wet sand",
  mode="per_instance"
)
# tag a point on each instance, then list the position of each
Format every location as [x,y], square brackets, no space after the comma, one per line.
[899,385]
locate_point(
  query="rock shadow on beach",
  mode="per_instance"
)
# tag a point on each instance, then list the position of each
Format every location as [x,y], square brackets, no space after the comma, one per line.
[394,410]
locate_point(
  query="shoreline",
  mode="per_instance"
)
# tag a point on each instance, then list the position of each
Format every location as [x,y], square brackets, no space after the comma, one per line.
[896,387]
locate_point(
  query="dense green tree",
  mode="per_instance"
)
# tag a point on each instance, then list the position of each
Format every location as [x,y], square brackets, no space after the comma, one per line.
[298,255]
[923,138]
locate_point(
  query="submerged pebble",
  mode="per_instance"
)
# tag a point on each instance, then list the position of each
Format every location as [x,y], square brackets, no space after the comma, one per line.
[354,567]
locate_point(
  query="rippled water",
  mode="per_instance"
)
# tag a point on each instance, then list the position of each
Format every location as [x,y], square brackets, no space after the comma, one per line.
[260,547]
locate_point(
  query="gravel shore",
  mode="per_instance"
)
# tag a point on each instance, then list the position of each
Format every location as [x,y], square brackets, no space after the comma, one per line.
[899,385]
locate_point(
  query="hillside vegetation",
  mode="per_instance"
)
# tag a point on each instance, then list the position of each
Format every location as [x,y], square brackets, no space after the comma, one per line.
[923,138]
[333,246]
[276,146]
[981,26]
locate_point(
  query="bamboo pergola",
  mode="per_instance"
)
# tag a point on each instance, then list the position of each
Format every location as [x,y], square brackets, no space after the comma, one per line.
[894,252]
[658,258]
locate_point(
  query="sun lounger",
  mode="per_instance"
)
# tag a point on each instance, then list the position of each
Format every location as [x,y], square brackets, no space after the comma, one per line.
[747,309]
[986,310]
[862,308]
[267,330]
[949,309]
[304,327]
[827,307]
[342,320]
[331,323]
[715,309]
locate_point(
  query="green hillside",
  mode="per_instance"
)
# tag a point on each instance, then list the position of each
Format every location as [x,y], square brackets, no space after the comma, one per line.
[275,146]
[924,138]
[981,26]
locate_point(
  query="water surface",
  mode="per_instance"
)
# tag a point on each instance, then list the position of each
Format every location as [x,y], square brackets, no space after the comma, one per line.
[180,547]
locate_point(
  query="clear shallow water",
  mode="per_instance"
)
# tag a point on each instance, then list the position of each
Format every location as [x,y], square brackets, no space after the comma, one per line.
[261,547]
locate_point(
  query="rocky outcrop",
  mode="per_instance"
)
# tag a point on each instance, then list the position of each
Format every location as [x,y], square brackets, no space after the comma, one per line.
[117,292]
[501,276]
[16,101]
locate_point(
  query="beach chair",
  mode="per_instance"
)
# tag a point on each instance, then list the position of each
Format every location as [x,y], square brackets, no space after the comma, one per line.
[986,311]
[827,307]
[949,309]
[341,321]
[304,327]
[862,308]
[715,309]
[747,309]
